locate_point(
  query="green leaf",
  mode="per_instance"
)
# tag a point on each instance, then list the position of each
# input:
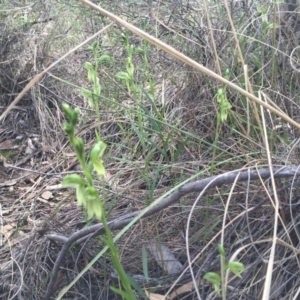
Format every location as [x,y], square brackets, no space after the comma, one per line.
[145,263]
[90,167]
[69,129]
[102,147]
[97,151]
[123,75]
[98,165]
[236,268]
[140,51]
[221,250]
[68,111]
[73,180]
[120,292]
[94,46]
[97,87]
[215,279]
[93,205]
[75,115]
[137,287]
[80,195]
[79,149]
[104,58]
[71,114]
[86,93]
[91,193]
[76,181]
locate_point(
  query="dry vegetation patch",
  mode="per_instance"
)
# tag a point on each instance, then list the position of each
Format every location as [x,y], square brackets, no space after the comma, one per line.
[166,134]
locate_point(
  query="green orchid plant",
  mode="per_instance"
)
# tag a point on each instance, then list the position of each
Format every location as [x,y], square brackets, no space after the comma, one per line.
[218,281]
[89,197]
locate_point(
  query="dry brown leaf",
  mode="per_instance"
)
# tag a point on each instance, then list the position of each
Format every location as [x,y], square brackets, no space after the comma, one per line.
[24,188]
[6,145]
[7,232]
[188,287]
[9,227]
[165,258]
[8,183]
[152,296]
[47,195]
[47,149]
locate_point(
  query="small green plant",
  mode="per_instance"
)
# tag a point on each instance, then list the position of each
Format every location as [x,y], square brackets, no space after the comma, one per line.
[217,280]
[94,95]
[88,196]
[128,76]
[224,108]
[262,12]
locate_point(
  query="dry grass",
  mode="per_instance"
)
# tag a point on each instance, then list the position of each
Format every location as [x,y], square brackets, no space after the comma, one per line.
[143,161]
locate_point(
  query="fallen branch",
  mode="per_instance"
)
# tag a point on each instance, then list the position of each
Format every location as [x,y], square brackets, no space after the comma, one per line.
[192,187]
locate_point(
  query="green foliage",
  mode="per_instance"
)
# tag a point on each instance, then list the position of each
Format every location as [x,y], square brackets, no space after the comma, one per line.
[222,251]
[262,12]
[222,114]
[152,135]
[215,279]
[128,76]
[88,196]
[96,157]
[92,69]
[225,106]
[145,263]
[234,266]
